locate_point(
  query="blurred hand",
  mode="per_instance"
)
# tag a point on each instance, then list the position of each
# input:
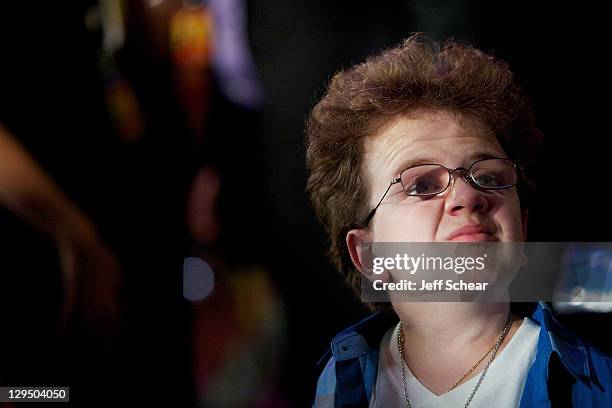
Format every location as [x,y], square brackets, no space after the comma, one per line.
[91,279]
[90,270]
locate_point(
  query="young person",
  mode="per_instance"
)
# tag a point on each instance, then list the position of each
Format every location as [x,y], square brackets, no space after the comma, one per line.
[451,109]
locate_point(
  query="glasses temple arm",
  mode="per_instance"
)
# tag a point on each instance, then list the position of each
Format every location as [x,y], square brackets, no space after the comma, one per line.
[371,214]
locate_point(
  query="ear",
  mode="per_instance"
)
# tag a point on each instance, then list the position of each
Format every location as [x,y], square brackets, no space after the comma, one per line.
[357,241]
[361,249]
[524,219]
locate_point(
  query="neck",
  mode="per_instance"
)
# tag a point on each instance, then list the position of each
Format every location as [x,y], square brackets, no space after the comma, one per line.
[443,340]
[451,326]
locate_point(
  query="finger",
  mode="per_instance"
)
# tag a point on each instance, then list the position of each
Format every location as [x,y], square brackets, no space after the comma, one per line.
[69,268]
[102,312]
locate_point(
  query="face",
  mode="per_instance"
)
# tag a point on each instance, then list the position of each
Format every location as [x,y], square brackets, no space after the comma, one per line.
[460,213]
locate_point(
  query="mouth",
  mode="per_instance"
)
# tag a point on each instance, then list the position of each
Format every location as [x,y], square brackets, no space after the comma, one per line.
[472,233]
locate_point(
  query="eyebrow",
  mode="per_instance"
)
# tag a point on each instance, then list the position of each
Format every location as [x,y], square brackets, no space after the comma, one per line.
[474,156]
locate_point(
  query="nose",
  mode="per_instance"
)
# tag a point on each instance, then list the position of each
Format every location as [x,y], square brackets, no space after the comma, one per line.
[463,197]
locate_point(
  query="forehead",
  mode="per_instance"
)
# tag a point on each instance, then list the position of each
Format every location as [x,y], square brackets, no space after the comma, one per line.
[442,137]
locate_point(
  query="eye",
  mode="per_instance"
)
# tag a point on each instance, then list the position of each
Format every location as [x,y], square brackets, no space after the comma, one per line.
[423,186]
[424,180]
[487,180]
[494,173]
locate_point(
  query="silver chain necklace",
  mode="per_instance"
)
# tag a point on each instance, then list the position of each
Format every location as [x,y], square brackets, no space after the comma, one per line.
[500,340]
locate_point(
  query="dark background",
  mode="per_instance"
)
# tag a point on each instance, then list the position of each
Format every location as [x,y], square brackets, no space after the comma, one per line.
[557,52]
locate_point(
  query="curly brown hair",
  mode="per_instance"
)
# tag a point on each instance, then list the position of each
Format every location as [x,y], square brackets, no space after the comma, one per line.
[418,74]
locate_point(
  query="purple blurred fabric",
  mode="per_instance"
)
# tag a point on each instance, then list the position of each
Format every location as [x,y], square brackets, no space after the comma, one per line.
[233,62]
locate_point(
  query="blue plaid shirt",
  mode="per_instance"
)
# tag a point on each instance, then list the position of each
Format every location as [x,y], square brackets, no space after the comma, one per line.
[565,369]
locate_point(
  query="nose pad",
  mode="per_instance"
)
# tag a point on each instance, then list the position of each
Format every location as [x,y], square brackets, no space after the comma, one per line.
[465,177]
[465,199]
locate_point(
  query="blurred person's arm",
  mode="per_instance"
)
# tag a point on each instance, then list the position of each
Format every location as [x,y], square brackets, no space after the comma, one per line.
[90,270]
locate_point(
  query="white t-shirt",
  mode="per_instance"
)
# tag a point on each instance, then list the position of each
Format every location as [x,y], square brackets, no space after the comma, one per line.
[501,387]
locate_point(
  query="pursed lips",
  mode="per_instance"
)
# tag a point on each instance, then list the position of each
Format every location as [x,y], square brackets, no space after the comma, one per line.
[472,233]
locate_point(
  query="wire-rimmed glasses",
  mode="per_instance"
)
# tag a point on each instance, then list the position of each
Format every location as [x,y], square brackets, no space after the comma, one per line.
[428,180]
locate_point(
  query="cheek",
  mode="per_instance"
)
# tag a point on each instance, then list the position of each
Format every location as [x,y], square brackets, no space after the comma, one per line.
[509,219]
[403,224]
